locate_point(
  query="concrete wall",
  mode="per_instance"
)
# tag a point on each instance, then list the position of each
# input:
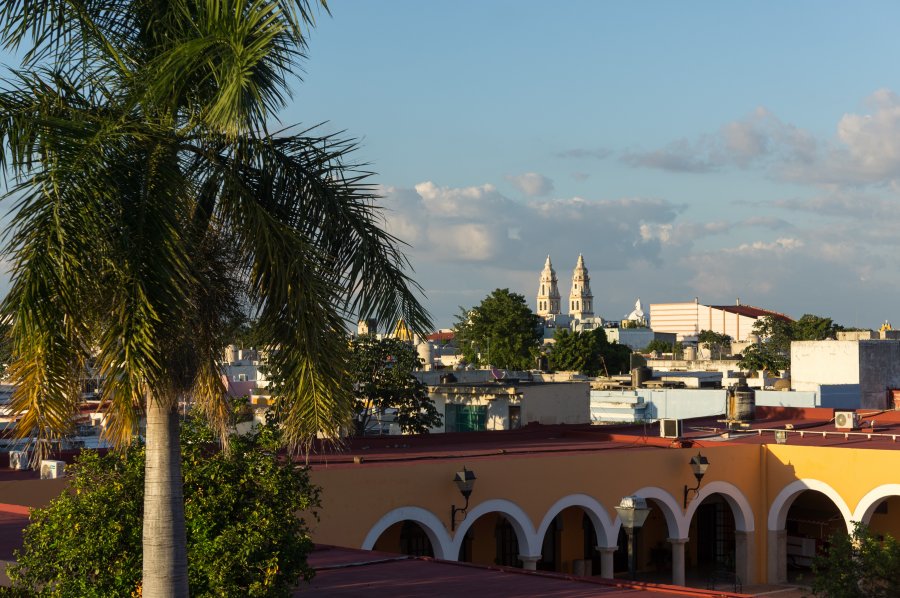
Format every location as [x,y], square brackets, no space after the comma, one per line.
[545,403]
[879,365]
[653,404]
[872,365]
[814,363]
[558,403]
[778,398]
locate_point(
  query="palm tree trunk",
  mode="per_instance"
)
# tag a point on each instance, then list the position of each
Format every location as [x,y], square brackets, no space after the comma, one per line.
[165,541]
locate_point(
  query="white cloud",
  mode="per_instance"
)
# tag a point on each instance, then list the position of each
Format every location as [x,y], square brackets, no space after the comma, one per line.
[531,184]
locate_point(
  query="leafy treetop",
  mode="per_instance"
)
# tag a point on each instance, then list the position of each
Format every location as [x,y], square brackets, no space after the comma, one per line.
[589,352]
[501,331]
[382,375]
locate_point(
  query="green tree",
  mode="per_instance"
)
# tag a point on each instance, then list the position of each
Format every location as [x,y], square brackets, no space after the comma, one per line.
[501,331]
[588,351]
[151,203]
[858,566]
[763,357]
[717,343]
[243,535]
[814,328]
[383,380]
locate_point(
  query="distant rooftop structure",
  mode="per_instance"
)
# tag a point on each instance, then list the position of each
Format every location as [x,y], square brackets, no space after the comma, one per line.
[688,318]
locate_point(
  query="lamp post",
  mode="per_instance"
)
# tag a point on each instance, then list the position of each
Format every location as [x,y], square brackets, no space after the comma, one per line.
[465,481]
[633,511]
[699,463]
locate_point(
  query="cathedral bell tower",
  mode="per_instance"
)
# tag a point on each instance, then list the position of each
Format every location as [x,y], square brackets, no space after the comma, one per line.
[548,293]
[581,300]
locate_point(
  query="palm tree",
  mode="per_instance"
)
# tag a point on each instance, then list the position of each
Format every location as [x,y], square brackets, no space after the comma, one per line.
[151,202]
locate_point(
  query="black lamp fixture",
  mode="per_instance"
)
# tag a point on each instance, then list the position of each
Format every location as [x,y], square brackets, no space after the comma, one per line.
[465,481]
[699,463]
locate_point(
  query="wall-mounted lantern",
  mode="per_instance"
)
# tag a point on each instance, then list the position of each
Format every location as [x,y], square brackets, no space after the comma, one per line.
[465,481]
[699,463]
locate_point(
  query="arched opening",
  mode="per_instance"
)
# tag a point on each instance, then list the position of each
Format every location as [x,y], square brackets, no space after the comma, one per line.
[885,518]
[710,551]
[405,537]
[570,544]
[491,540]
[811,520]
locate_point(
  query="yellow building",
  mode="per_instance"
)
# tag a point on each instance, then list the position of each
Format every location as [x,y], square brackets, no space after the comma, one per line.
[544,497]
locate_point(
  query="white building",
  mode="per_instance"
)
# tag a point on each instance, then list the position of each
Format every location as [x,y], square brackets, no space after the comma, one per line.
[510,405]
[867,369]
[687,319]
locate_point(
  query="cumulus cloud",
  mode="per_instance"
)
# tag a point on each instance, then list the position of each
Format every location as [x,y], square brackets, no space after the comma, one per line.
[531,184]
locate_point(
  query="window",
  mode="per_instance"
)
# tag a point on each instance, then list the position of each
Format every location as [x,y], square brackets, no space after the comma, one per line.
[465,418]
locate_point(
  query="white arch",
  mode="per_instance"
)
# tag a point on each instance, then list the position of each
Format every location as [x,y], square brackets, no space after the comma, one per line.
[740,506]
[779,509]
[434,529]
[668,505]
[521,523]
[603,525]
[867,503]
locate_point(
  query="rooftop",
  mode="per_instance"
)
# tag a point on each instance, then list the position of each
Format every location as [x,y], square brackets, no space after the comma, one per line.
[811,427]
[351,572]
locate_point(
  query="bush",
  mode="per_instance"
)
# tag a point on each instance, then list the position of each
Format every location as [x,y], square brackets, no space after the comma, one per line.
[243,535]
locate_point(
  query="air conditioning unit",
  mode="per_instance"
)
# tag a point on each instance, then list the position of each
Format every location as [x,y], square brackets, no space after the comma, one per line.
[50,470]
[670,428]
[846,420]
[18,460]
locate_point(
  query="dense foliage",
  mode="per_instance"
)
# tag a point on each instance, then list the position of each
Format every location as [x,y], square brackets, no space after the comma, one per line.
[501,331]
[149,200]
[860,565]
[773,351]
[244,538]
[588,352]
[383,381]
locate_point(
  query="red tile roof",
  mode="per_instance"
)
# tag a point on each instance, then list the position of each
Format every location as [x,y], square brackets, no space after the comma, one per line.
[443,337]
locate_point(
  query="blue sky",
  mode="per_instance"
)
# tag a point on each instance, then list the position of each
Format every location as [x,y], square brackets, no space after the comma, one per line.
[708,149]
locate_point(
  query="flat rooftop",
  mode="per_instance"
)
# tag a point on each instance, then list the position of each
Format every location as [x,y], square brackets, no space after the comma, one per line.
[350,572]
[810,427]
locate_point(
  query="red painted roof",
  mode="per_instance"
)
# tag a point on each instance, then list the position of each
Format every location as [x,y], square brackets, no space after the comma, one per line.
[443,337]
[813,427]
[752,312]
[350,572]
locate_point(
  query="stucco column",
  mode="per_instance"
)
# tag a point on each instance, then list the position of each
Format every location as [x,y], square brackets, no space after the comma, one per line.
[606,560]
[776,556]
[744,557]
[529,562]
[678,560]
